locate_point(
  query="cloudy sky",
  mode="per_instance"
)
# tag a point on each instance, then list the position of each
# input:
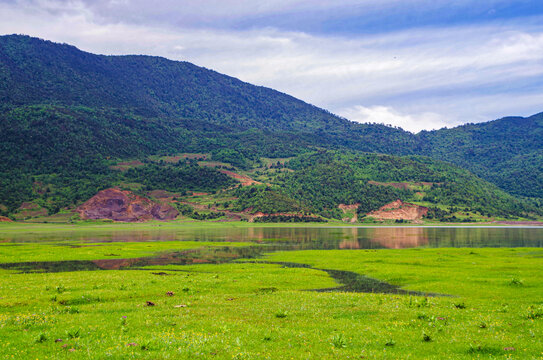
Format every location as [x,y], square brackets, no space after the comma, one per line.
[417,64]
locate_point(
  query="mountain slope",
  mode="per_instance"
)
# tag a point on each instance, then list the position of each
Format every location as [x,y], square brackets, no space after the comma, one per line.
[327,179]
[68,113]
[170,95]
[507,152]
[34,71]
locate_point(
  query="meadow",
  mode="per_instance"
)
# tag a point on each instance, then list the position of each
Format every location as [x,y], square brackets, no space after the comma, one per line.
[480,303]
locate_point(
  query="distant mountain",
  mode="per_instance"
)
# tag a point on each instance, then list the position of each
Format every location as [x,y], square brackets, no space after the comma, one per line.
[37,72]
[507,152]
[66,115]
[82,104]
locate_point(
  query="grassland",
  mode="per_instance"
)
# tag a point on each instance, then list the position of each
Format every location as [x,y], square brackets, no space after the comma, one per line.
[247,310]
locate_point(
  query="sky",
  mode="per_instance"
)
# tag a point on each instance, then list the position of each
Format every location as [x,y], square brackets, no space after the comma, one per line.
[416,64]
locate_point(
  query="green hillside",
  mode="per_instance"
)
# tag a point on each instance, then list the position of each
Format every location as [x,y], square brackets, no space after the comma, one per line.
[67,117]
[327,179]
[507,152]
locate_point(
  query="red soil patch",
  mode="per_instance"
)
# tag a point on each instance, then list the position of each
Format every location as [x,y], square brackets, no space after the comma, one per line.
[175,159]
[5,219]
[28,206]
[398,210]
[199,194]
[244,180]
[123,166]
[348,207]
[119,205]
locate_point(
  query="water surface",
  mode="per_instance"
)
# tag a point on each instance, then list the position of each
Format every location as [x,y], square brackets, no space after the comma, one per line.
[292,238]
[269,239]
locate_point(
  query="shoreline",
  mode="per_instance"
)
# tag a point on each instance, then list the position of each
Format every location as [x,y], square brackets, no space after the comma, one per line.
[17,227]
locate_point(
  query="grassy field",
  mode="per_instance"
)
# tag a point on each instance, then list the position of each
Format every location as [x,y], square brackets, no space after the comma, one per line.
[493,308]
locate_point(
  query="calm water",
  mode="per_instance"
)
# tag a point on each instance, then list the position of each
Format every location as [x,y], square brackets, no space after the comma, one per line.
[314,238]
[274,239]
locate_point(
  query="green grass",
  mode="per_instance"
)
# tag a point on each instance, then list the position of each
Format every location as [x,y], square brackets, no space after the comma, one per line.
[97,251]
[263,311]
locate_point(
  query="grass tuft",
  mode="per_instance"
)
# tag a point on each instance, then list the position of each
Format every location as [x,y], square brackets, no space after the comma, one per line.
[426,337]
[516,282]
[339,341]
[390,343]
[41,338]
[459,305]
[73,333]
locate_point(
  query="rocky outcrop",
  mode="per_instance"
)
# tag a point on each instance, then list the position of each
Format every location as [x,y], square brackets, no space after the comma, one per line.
[120,205]
[398,210]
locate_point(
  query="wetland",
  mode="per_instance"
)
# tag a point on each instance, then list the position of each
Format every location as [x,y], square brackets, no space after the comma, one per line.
[270,292]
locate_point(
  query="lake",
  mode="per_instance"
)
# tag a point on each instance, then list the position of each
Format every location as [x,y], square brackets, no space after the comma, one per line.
[262,240]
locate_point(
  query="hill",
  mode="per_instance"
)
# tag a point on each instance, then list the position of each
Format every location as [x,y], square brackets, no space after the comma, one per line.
[68,117]
[507,152]
[327,179]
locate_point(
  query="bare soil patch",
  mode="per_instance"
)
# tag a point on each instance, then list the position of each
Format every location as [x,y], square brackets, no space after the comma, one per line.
[121,205]
[244,180]
[398,210]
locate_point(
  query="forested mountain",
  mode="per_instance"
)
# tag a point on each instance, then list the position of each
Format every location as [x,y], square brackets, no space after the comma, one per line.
[66,116]
[325,179]
[507,152]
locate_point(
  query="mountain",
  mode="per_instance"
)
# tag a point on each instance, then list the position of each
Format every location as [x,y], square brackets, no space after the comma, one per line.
[68,117]
[79,104]
[372,180]
[507,152]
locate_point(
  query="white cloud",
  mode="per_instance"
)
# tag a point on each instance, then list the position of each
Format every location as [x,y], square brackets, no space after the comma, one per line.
[388,116]
[416,79]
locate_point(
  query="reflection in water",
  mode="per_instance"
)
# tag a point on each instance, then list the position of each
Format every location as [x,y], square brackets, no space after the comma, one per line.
[213,255]
[310,238]
[399,238]
[275,239]
[349,244]
[269,239]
